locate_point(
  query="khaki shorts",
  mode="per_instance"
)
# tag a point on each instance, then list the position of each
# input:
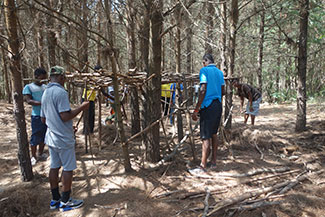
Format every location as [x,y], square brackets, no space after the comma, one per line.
[65,158]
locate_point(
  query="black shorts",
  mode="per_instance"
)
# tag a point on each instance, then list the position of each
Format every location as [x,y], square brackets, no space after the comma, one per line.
[210,119]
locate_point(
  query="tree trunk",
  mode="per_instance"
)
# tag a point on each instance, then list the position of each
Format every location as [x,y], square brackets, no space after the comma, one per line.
[154,85]
[113,59]
[260,51]
[302,67]
[234,14]
[223,38]
[180,132]
[189,46]
[135,110]
[209,27]
[51,39]
[6,76]
[19,112]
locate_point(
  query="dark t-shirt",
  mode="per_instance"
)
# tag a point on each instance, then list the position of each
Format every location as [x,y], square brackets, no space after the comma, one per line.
[245,89]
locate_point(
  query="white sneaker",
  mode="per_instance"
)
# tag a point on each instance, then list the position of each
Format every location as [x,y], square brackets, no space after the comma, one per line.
[43,156]
[33,161]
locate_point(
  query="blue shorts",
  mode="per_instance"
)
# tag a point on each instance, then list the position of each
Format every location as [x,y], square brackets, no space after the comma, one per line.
[65,158]
[38,131]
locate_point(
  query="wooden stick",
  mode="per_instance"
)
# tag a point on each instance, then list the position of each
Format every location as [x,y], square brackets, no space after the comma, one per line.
[206,203]
[230,201]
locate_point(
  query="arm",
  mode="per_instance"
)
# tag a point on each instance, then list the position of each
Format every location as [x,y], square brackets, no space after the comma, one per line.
[28,98]
[201,98]
[69,115]
[223,91]
[43,120]
[106,94]
[250,99]
[241,103]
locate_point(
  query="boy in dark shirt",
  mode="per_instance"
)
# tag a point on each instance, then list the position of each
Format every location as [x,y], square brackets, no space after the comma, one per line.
[254,97]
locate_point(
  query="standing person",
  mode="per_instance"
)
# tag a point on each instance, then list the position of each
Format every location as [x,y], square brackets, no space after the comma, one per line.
[32,95]
[254,97]
[165,97]
[57,114]
[196,93]
[90,116]
[173,98]
[210,108]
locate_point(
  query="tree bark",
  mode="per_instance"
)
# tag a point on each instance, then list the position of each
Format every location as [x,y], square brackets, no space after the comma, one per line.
[234,14]
[154,85]
[6,76]
[302,67]
[113,59]
[19,112]
[51,39]
[178,71]
[260,50]
[135,110]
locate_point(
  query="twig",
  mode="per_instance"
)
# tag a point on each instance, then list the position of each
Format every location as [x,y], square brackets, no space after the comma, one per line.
[206,203]
[230,201]
[259,150]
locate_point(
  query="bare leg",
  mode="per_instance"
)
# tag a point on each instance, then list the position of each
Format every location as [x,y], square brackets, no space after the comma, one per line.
[66,180]
[253,119]
[33,149]
[205,152]
[214,148]
[246,118]
[54,178]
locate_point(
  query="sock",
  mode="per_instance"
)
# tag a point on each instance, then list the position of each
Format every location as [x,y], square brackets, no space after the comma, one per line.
[56,194]
[65,196]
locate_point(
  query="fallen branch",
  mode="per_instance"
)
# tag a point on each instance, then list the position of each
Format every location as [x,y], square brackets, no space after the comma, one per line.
[206,203]
[257,205]
[167,194]
[230,201]
[255,172]
[259,150]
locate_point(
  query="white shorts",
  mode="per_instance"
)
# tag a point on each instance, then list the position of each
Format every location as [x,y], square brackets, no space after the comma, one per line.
[65,158]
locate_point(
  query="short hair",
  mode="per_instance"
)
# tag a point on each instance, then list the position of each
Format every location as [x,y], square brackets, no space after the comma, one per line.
[98,67]
[39,71]
[208,57]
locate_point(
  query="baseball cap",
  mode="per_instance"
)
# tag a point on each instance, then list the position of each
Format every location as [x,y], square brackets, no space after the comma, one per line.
[57,70]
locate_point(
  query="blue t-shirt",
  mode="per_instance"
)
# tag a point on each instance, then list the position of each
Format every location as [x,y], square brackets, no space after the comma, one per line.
[36,92]
[213,77]
[173,90]
[55,100]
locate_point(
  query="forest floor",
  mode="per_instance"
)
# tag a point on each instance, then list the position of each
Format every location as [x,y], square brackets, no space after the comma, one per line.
[256,173]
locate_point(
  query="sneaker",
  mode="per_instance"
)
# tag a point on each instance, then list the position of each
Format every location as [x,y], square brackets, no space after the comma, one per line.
[54,204]
[211,165]
[33,161]
[71,204]
[43,156]
[197,171]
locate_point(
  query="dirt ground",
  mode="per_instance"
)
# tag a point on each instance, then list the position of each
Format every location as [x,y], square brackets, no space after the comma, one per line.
[256,159]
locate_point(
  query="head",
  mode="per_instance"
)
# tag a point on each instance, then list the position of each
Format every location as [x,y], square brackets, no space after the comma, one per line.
[40,74]
[235,83]
[98,67]
[57,74]
[207,59]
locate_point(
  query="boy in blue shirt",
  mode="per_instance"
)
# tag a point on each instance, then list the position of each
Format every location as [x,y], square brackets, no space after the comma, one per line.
[32,95]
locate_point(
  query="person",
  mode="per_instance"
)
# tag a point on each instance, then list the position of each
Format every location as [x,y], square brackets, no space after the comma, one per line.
[196,93]
[89,116]
[110,100]
[57,114]
[254,97]
[173,98]
[165,97]
[210,108]
[32,95]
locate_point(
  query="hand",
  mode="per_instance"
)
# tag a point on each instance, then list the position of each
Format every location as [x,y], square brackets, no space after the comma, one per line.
[251,108]
[75,129]
[85,105]
[194,116]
